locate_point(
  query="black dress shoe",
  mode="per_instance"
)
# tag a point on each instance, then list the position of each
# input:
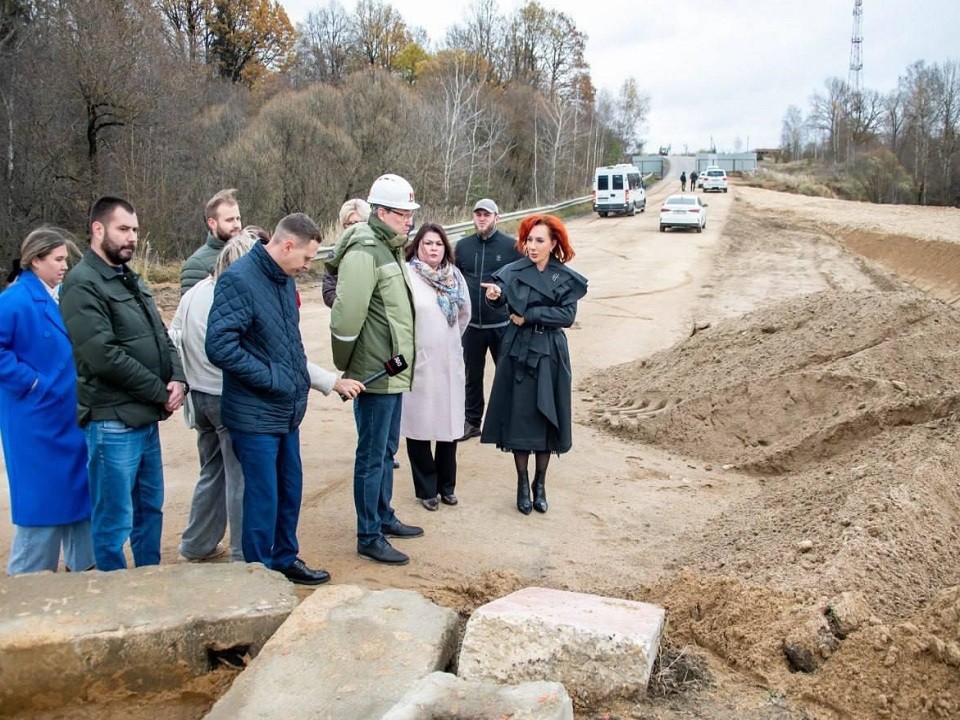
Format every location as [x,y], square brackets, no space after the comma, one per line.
[383,552]
[470,431]
[298,572]
[429,503]
[450,499]
[399,530]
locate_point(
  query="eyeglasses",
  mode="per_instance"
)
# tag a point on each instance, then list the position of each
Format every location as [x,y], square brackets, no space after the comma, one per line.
[405,214]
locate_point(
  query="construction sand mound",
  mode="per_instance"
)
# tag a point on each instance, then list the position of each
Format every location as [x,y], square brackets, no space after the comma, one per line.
[790,383]
[837,582]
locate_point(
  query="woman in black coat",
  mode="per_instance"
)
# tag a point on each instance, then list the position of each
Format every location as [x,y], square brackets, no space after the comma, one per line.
[529,408]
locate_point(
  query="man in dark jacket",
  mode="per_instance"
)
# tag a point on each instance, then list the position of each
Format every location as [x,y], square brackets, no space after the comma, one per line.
[479,256]
[128,378]
[253,335]
[222,215]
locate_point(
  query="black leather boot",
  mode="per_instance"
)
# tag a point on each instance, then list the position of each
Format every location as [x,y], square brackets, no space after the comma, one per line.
[540,491]
[523,493]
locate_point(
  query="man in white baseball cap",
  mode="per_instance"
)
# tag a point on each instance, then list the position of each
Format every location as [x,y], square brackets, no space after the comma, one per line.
[479,256]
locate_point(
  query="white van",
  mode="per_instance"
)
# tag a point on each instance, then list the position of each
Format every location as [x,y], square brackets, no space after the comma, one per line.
[618,189]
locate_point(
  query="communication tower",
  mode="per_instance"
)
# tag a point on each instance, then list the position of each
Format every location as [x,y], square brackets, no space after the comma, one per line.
[856,50]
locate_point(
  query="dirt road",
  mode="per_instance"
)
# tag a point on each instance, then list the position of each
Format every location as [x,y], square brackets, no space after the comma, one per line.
[625,516]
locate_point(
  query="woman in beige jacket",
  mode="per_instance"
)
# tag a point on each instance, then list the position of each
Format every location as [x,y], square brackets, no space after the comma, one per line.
[433,409]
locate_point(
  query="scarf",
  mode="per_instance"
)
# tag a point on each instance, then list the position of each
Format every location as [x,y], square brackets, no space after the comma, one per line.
[450,294]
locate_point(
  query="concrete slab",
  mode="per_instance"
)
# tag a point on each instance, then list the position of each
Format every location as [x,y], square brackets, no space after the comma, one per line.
[598,647]
[346,653]
[441,695]
[140,630]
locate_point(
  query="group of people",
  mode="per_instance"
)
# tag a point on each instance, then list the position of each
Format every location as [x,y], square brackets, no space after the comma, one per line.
[693,180]
[88,370]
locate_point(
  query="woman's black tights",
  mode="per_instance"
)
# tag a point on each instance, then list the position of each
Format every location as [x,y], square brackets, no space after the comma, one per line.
[522,459]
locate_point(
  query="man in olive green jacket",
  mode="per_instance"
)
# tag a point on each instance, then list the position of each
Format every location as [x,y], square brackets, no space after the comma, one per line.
[222,215]
[372,321]
[128,378]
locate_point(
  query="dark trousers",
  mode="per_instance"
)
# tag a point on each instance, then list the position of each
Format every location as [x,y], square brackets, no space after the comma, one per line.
[476,342]
[272,491]
[434,473]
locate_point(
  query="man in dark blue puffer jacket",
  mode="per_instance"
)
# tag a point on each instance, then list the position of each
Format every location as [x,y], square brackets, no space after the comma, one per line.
[253,335]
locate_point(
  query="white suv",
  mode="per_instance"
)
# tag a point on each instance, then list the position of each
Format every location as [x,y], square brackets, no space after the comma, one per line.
[714,178]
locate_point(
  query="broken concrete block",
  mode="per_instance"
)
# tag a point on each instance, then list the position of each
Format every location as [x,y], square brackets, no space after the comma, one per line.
[441,695]
[136,630]
[345,652]
[597,647]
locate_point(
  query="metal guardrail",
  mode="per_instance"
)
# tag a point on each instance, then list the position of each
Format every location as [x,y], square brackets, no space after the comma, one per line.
[456,232]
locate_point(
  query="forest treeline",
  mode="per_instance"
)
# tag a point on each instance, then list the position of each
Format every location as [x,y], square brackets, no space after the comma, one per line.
[167,101]
[902,146]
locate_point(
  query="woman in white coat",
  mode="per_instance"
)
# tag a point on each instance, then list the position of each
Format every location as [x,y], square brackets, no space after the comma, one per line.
[433,409]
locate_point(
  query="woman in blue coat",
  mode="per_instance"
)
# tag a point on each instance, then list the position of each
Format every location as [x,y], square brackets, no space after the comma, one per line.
[43,448]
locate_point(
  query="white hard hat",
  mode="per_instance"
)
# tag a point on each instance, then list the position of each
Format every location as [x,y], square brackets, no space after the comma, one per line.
[392,191]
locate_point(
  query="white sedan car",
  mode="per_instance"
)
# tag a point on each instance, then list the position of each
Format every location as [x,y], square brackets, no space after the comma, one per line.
[683,211]
[714,179]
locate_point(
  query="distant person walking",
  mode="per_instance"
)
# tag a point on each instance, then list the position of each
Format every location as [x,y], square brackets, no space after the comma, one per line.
[693,180]
[683,180]
[43,448]
[529,410]
[130,378]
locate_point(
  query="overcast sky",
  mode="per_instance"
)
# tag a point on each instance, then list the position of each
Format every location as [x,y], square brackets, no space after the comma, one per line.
[727,69]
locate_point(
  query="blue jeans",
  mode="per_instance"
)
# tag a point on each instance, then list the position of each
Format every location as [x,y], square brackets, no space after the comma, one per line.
[272,491]
[35,549]
[126,490]
[218,496]
[378,437]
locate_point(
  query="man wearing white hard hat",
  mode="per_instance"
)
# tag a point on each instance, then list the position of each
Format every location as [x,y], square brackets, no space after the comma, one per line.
[371,322]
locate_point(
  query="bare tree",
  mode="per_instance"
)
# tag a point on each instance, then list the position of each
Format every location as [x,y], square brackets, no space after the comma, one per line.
[324,47]
[919,86]
[632,108]
[482,34]
[948,114]
[830,114]
[792,132]
[452,91]
[894,118]
[186,26]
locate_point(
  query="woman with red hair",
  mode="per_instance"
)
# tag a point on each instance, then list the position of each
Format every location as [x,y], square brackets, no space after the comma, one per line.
[529,408]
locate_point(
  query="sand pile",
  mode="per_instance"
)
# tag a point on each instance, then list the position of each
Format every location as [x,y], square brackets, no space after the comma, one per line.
[837,582]
[792,382]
